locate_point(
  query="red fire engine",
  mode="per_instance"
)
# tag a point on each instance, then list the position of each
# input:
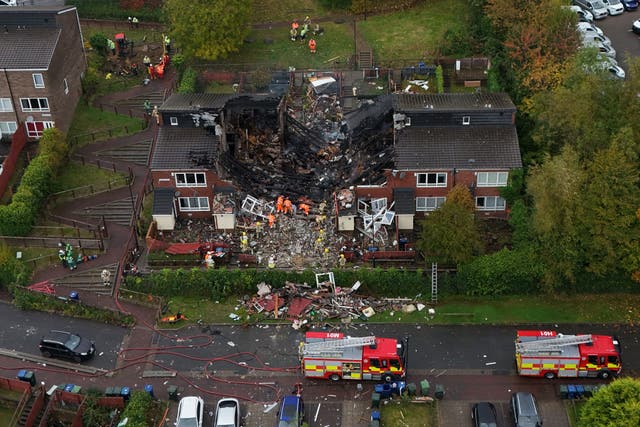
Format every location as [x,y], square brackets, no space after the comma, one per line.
[550,354]
[331,355]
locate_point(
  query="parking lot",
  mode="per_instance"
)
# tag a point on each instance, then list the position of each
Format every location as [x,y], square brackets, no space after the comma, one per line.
[623,40]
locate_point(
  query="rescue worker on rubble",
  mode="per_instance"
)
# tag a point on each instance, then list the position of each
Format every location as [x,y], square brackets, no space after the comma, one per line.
[272,220]
[287,206]
[304,208]
[279,203]
[258,229]
[244,242]
[342,261]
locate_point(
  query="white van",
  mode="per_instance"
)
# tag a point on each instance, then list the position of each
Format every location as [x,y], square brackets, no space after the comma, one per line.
[615,7]
[597,8]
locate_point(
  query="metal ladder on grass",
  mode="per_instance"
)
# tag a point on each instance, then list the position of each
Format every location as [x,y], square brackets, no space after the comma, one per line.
[434,283]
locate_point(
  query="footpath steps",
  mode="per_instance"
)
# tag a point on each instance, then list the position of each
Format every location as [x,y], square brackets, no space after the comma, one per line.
[137,153]
[89,280]
[118,211]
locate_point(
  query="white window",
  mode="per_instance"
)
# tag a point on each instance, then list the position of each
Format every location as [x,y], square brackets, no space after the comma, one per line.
[174,121]
[38,81]
[5,105]
[438,179]
[429,203]
[34,104]
[8,128]
[191,179]
[490,203]
[466,120]
[493,179]
[34,129]
[66,86]
[191,204]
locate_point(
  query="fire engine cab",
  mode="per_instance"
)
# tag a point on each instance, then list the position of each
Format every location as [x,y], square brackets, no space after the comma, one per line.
[550,354]
[331,355]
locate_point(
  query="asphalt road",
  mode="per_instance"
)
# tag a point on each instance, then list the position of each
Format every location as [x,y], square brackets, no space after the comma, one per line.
[454,349]
[623,40]
[23,330]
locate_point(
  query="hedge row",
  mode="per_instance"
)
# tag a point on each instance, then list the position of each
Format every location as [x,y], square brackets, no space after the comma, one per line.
[25,299]
[18,217]
[112,9]
[188,83]
[219,284]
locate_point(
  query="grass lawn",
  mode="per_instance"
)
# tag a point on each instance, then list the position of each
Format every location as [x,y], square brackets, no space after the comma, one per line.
[402,413]
[85,178]
[5,415]
[573,409]
[92,124]
[615,308]
[284,10]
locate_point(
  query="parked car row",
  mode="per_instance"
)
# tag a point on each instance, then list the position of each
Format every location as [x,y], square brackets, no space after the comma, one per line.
[523,408]
[227,414]
[593,36]
[600,9]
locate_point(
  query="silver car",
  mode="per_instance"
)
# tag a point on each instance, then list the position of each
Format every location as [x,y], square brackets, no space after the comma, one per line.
[602,48]
[227,413]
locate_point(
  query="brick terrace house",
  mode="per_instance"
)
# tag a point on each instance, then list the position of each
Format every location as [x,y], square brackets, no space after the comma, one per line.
[42,62]
[442,140]
[184,164]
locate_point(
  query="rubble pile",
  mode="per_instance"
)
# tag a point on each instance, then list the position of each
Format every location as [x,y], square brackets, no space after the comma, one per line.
[311,150]
[302,303]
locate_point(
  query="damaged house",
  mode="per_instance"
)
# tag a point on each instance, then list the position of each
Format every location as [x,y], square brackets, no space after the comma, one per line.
[184,164]
[441,140]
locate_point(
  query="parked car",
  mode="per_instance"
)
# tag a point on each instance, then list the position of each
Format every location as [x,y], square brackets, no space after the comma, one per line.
[588,37]
[587,27]
[525,410]
[227,413]
[596,7]
[614,7]
[635,27]
[291,413]
[67,345]
[583,15]
[484,415]
[602,48]
[616,71]
[190,410]
[629,4]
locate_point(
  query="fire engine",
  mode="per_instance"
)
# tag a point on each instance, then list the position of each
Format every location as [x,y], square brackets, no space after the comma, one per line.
[332,355]
[550,354]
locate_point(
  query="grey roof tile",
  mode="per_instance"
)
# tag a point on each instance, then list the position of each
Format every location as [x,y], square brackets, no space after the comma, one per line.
[452,101]
[464,147]
[184,148]
[28,49]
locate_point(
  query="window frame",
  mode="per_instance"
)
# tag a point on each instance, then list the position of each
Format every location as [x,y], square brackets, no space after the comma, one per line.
[8,125]
[426,183]
[3,103]
[190,208]
[36,84]
[35,133]
[466,120]
[173,121]
[426,207]
[494,207]
[32,109]
[485,182]
[185,181]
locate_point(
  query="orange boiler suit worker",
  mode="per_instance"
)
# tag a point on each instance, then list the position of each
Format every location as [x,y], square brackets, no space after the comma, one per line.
[279,204]
[287,206]
[312,46]
[272,220]
[304,208]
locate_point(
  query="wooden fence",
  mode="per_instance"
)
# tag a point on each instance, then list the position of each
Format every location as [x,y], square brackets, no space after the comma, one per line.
[52,242]
[104,134]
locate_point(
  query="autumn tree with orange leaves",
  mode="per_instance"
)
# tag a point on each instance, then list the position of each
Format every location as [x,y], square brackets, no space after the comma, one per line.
[538,39]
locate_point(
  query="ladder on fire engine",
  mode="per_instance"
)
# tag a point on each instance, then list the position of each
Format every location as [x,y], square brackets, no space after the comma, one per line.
[552,343]
[320,346]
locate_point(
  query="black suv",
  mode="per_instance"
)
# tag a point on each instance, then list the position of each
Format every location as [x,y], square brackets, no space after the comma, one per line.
[67,345]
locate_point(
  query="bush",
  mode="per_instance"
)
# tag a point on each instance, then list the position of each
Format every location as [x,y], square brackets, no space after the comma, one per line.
[12,271]
[139,409]
[505,272]
[98,42]
[17,218]
[439,79]
[188,81]
[220,284]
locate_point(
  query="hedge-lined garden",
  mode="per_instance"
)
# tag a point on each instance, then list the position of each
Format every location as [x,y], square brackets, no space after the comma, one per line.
[18,217]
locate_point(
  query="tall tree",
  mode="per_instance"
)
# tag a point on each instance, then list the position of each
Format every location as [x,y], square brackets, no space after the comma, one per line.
[617,404]
[607,213]
[208,29]
[450,234]
[554,188]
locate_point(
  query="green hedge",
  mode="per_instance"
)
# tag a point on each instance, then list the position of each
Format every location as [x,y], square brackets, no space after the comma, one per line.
[18,217]
[12,271]
[219,284]
[25,299]
[188,83]
[505,272]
